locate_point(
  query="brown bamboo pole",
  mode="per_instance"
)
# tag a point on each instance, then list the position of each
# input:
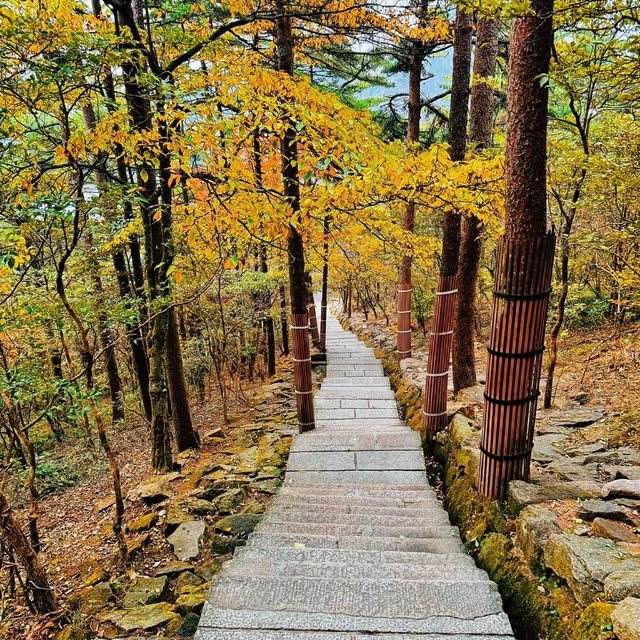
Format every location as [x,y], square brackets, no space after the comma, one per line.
[302,371]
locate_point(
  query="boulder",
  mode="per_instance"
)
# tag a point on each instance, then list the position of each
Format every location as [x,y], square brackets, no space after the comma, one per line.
[144,590]
[172,568]
[632,548]
[621,584]
[199,507]
[575,417]
[239,524]
[175,516]
[590,509]
[146,617]
[622,489]
[585,563]
[222,545]
[156,488]
[521,493]
[191,598]
[96,573]
[626,619]
[185,540]
[189,625]
[72,632]
[187,579]
[229,500]
[91,600]
[534,525]
[614,530]
[143,523]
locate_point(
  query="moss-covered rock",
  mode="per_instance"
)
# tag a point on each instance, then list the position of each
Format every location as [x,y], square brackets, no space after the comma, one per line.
[595,622]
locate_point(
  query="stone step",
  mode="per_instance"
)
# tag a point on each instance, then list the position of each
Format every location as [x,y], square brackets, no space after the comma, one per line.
[392,439]
[362,426]
[416,478]
[268,634]
[360,392]
[353,460]
[379,543]
[372,381]
[368,598]
[340,510]
[354,403]
[453,560]
[347,571]
[363,494]
[426,518]
[400,532]
[492,625]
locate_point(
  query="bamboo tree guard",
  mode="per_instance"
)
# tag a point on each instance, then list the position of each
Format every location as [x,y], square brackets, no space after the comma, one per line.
[434,410]
[516,342]
[311,305]
[403,340]
[302,371]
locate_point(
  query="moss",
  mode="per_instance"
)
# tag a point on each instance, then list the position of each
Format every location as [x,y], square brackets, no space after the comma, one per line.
[595,622]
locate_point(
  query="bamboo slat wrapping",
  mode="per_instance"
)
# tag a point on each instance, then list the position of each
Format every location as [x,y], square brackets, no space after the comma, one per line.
[516,342]
[313,322]
[434,410]
[302,371]
[403,341]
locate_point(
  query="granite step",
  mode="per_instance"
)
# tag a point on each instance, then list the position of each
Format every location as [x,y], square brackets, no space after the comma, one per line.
[414,518]
[377,543]
[270,634]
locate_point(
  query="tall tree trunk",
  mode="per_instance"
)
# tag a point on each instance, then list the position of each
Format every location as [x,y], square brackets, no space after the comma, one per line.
[524,263]
[442,327]
[41,593]
[186,436]
[295,247]
[407,220]
[325,283]
[284,324]
[311,311]
[484,64]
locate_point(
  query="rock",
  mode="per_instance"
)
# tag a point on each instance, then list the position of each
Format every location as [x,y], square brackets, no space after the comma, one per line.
[185,540]
[254,506]
[590,509]
[147,617]
[626,619]
[199,507]
[175,516]
[580,398]
[534,525]
[138,543]
[187,579]
[171,628]
[585,563]
[229,500]
[594,622]
[270,486]
[191,598]
[221,545]
[189,625]
[72,632]
[632,548]
[144,590]
[520,493]
[95,575]
[211,568]
[143,523]
[172,568]
[240,524]
[575,417]
[91,600]
[156,488]
[620,584]
[622,489]
[613,530]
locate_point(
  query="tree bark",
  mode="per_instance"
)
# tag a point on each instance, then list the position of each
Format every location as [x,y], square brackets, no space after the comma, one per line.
[442,323]
[295,247]
[43,597]
[524,263]
[464,360]
[407,220]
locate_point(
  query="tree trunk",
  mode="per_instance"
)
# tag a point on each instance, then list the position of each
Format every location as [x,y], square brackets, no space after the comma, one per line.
[524,263]
[284,324]
[442,327]
[311,311]
[186,436]
[407,220]
[325,283]
[43,598]
[464,360]
[295,247]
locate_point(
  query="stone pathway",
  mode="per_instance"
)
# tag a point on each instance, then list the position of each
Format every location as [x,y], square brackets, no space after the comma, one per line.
[355,543]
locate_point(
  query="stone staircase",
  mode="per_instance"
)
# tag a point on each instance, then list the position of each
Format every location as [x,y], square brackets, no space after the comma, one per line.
[355,543]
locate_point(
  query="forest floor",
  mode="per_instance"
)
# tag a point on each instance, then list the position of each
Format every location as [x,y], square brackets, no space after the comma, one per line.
[244,456]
